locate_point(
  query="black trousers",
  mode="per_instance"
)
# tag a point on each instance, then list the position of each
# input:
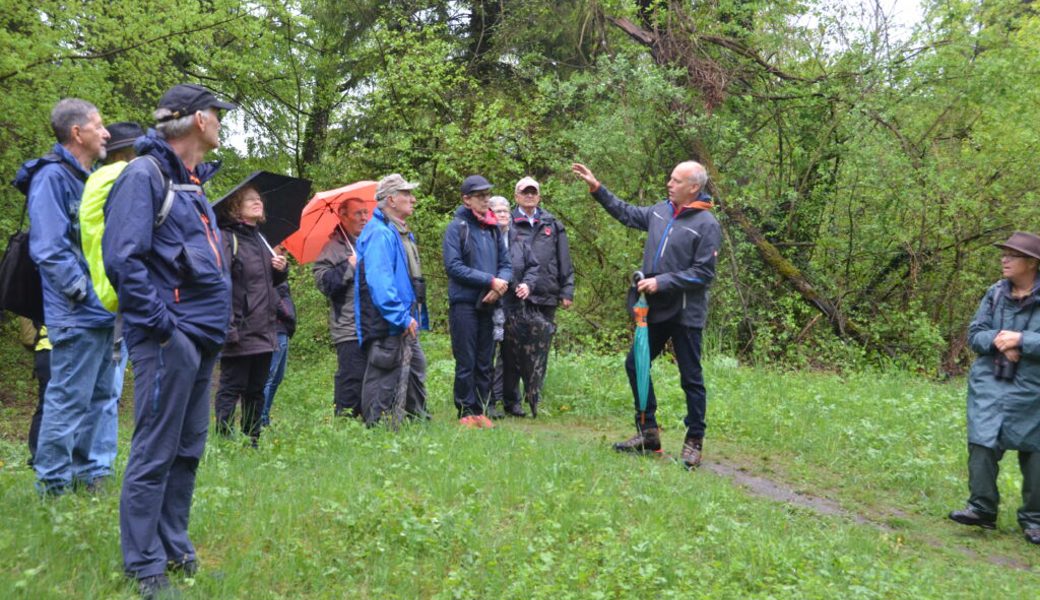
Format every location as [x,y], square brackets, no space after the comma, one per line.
[983,468]
[687,344]
[506,384]
[42,373]
[472,343]
[242,377]
[350,373]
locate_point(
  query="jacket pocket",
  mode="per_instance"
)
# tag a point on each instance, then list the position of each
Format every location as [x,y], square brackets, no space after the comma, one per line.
[383,354]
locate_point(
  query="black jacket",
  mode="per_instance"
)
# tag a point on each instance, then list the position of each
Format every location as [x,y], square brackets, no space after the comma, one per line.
[254,300]
[525,267]
[548,240]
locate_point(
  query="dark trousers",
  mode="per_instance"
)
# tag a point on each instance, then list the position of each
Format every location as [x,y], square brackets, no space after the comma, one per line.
[42,373]
[350,373]
[385,372]
[242,377]
[507,377]
[171,418]
[687,344]
[983,468]
[472,343]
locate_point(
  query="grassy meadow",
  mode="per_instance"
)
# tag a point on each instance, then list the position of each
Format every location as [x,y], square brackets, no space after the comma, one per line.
[861,470]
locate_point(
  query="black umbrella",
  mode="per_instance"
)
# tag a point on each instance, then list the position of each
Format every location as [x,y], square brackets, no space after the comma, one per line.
[284,199]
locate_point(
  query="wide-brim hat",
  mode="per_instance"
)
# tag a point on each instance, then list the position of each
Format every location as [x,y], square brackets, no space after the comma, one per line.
[1023,243]
[123,135]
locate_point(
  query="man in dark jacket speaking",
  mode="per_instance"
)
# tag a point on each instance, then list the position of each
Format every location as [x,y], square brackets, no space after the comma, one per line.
[162,253]
[679,263]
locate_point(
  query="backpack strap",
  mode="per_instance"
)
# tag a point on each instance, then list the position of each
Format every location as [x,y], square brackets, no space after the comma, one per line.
[234,244]
[171,191]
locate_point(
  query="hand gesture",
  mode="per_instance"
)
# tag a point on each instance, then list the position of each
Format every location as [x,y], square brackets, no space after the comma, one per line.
[585,174]
[523,291]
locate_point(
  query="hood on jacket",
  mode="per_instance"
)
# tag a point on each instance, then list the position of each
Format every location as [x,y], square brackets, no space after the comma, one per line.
[155,144]
[23,179]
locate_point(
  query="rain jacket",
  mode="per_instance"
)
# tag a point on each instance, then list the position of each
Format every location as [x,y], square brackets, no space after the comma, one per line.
[54,241]
[92,227]
[334,277]
[383,293]
[286,310]
[1005,414]
[174,275]
[474,254]
[680,252]
[525,267]
[548,240]
[254,300]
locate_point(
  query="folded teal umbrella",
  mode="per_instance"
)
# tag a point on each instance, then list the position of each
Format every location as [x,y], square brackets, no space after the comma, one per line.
[641,350]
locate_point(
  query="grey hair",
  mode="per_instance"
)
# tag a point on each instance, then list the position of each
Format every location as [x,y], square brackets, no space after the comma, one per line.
[173,128]
[68,113]
[699,175]
[381,202]
[498,200]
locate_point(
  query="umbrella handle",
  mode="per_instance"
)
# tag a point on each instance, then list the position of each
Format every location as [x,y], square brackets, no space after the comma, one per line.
[637,277]
[269,248]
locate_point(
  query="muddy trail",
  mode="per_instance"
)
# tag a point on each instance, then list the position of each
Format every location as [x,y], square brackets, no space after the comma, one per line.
[771,486]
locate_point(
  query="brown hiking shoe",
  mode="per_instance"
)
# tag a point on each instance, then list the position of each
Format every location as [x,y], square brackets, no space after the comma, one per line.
[645,442]
[691,452]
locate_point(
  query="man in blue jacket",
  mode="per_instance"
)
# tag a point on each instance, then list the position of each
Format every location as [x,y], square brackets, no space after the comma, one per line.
[79,327]
[390,306]
[479,269]
[682,243]
[164,259]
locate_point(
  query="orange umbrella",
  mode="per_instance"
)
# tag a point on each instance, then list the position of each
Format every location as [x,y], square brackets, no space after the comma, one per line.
[319,218]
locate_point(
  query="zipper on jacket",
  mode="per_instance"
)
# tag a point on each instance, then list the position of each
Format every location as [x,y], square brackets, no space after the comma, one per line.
[210,238]
[664,242]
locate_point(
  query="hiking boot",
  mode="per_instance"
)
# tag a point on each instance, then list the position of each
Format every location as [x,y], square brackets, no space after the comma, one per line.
[495,412]
[968,516]
[157,587]
[647,441]
[1032,535]
[691,452]
[188,568]
[515,411]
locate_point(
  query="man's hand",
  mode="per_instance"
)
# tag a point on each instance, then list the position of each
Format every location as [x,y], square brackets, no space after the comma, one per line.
[523,291]
[1007,340]
[352,259]
[1014,355]
[491,297]
[413,328]
[585,174]
[647,286]
[500,285]
[279,262]
[566,302]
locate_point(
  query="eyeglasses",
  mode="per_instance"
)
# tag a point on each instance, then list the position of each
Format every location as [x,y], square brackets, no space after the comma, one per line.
[479,195]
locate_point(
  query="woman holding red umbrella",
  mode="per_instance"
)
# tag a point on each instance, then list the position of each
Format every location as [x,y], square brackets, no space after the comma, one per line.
[252,335]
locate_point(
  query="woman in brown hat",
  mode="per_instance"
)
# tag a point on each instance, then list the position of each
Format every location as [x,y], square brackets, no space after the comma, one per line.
[1004,388]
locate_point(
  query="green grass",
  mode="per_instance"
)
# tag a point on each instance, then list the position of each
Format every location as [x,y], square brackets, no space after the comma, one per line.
[328,509]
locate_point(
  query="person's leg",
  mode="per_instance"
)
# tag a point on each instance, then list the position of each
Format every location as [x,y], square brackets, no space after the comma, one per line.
[485,349]
[234,376]
[340,399]
[382,372]
[165,378]
[42,373]
[75,363]
[687,344]
[657,334]
[497,374]
[104,415]
[983,468]
[415,405]
[462,322]
[180,486]
[510,375]
[257,366]
[1029,513]
[275,376]
[355,366]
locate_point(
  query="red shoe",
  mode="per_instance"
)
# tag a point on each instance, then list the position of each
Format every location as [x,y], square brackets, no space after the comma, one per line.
[471,422]
[485,422]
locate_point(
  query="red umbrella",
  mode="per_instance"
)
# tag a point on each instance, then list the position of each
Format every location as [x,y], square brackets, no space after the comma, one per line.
[319,218]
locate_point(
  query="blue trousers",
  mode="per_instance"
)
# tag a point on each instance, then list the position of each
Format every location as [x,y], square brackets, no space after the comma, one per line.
[472,344]
[78,406]
[687,344]
[171,419]
[275,376]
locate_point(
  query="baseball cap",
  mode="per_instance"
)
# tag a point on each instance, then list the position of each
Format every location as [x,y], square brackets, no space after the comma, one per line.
[474,183]
[187,98]
[393,183]
[527,182]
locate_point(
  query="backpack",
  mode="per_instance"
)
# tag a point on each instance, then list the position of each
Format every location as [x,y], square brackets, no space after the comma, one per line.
[21,291]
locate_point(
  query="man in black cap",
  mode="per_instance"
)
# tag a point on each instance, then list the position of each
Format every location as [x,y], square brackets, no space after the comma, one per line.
[479,270]
[165,262]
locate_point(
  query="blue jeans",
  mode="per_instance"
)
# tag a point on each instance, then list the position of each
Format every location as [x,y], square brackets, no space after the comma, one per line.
[275,376]
[77,409]
[107,438]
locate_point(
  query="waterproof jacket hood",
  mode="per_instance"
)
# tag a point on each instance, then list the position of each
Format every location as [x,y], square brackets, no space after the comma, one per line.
[54,195]
[173,275]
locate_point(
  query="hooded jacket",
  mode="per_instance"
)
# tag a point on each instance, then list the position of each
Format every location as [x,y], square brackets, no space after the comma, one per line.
[548,240]
[1005,414]
[680,252]
[54,241]
[525,268]
[474,254]
[334,276]
[173,276]
[254,300]
[384,298]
